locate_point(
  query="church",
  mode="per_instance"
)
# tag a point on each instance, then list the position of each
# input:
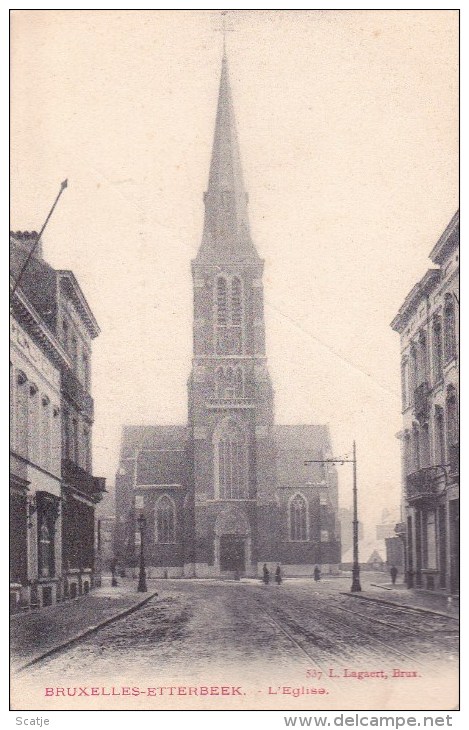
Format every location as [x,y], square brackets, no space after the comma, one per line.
[229,491]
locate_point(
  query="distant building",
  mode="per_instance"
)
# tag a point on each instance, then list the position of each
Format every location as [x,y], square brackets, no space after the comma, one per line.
[64,319]
[346,529]
[229,491]
[427,324]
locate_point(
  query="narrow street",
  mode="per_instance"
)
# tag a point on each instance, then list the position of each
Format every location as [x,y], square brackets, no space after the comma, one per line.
[205,632]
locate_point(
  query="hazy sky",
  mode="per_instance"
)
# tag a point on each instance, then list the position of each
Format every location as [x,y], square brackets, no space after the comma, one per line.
[347,123]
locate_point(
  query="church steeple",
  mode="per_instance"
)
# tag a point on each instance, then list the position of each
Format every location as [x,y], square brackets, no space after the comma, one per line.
[226,229]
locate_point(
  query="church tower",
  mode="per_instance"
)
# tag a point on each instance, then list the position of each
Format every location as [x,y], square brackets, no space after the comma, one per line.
[230,392]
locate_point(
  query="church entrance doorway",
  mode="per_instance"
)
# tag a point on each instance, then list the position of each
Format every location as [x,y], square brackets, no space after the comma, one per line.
[232,553]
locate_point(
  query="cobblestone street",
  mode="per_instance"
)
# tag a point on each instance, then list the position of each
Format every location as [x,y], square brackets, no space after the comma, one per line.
[224,632]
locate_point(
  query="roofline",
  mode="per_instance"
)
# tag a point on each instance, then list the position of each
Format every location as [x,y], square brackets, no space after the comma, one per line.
[438,249]
[420,289]
[86,312]
[45,335]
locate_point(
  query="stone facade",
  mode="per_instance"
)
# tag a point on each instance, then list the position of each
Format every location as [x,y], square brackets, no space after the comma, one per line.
[428,325]
[54,492]
[229,491]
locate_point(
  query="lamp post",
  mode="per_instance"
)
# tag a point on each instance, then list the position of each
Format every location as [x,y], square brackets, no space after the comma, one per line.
[142,582]
[356,587]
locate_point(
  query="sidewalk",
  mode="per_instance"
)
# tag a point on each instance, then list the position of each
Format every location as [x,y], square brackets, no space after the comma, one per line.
[40,632]
[400,595]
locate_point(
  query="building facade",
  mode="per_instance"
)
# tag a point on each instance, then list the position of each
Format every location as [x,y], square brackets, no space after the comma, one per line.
[229,491]
[428,325]
[65,323]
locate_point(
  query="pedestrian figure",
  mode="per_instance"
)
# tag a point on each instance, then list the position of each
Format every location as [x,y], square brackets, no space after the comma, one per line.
[266,574]
[165,575]
[278,575]
[236,574]
[393,572]
[317,574]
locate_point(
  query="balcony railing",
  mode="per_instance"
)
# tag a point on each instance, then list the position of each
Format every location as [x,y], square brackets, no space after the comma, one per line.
[72,388]
[423,484]
[83,481]
[230,402]
[422,401]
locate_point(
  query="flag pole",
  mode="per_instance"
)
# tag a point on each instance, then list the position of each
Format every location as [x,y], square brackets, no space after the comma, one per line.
[33,248]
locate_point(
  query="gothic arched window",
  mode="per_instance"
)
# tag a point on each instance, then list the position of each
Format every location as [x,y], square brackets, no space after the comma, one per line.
[449,328]
[165,520]
[229,383]
[221,301]
[231,462]
[239,383]
[220,383]
[236,303]
[298,519]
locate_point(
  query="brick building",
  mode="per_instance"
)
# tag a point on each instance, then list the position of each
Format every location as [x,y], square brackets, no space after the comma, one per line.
[228,491]
[427,324]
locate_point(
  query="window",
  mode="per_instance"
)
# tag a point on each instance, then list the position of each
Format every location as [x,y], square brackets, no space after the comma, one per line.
[430,541]
[425,445]
[66,435]
[449,328]
[422,364]
[437,350]
[46,548]
[413,371]
[46,445]
[416,447]
[236,303]
[221,302]
[451,417]
[298,519]
[34,436]
[405,383]
[324,536]
[22,414]
[440,456]
[231,462]
[165,520]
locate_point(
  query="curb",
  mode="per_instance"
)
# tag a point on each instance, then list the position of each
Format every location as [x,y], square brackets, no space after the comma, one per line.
[402,605]
[84,634]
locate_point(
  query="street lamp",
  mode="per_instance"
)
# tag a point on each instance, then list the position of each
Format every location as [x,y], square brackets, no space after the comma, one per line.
[142,582]
[356,587]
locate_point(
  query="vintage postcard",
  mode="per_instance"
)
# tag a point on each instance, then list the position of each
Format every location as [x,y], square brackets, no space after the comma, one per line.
[234,370]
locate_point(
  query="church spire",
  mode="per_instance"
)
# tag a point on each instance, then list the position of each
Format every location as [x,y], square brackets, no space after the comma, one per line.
[226,229]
